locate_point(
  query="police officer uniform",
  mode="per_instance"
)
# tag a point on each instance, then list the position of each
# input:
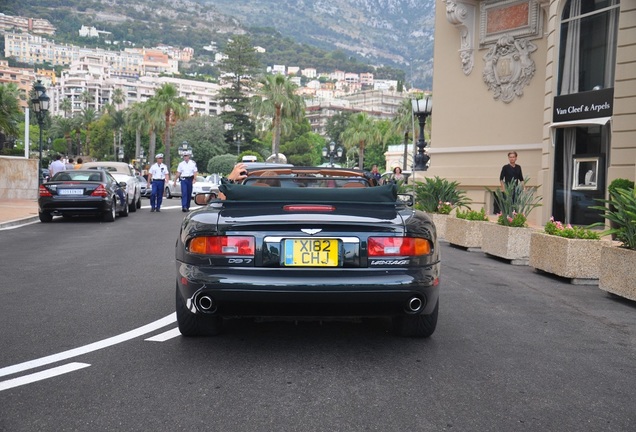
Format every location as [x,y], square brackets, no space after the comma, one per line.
[186,172]
[157,176]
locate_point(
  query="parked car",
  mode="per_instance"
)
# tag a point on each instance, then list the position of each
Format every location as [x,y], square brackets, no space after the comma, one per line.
[144,187]
[80,193]
[312,242]
[200,186]
[133,189]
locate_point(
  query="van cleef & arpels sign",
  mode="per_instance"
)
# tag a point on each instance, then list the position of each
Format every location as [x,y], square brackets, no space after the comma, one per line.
[584,105]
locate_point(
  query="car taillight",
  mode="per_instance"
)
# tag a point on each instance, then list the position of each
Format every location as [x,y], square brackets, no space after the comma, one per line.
[309,208]
[398,246]
[223,245]
[44,192]
[100,191]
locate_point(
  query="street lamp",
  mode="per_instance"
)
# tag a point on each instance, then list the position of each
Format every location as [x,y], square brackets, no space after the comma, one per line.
[41,106]
[422,108]
[332,152]
[121,154]
[184,148]
[237,141]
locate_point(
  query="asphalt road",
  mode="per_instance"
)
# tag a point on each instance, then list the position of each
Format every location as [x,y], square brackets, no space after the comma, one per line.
[514,350]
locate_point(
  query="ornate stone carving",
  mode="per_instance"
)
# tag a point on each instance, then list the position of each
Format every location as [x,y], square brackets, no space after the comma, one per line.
[462,16]
[509,67]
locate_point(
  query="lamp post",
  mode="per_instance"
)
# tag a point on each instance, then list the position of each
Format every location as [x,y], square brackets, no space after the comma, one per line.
[41,106]
[422,108]
[121,154]
[332,152]
[237,141]
[184,148]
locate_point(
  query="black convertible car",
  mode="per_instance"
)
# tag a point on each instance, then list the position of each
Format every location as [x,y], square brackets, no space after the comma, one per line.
[307,242]
[82,193]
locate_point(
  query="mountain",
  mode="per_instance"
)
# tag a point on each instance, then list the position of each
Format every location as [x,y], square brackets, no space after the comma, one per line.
[396,33]
[391,33]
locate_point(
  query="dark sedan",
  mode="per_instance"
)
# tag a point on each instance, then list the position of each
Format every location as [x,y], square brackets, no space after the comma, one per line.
[81,193]
[307,242]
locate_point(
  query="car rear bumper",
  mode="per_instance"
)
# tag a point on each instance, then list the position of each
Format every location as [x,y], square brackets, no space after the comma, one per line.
[87,206]
[342,292]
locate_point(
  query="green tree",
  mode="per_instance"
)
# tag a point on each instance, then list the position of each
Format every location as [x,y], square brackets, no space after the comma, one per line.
[62,127]
[10,111]
[135,118]
[222,164]
[174,108]
[336,125]
[361,131]
[66,106]
[205,134]
[101,137]
[277,102]
[305,150]
[154,121]
[402,124]
[238,70]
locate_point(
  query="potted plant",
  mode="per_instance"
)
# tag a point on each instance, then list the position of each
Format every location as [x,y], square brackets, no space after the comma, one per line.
[567,251]
[465,228]
[619,183]
[509,238]
[438,197]
[618,272]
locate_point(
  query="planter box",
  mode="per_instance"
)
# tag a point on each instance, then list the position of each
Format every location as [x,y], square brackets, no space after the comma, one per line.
[440,224]
[464,233]
[576,259]
[506,242]
[618,272]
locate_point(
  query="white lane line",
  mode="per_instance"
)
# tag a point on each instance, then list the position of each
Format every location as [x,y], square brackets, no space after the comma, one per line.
[162,337]
[39,376]
[170,319]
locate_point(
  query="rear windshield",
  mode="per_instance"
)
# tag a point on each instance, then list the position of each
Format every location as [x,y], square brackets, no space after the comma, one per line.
[73,175]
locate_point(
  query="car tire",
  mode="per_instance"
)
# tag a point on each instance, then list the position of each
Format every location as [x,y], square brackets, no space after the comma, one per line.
[138,203]
[126,209]
[45,217]
[416,326]
[168,194]
[109,216]
[191,324]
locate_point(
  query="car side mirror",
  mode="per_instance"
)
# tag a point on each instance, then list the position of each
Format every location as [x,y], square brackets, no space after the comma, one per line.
[123,184]
[204,198]
[406,199]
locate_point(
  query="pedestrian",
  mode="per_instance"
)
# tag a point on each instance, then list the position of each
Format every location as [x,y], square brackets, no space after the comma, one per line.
[70,165]
[375,173]
[187,174]
[510,171]
[56,166]
[157,177]
[79,163]
[397,175]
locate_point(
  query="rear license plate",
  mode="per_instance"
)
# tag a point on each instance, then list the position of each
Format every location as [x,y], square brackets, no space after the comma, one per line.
[70,192]
[311,252]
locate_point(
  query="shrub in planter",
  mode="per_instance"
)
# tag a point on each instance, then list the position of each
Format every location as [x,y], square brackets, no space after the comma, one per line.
[619,183]
[472,215]
[516,202]
[574,232]
[623,215]
[438,195]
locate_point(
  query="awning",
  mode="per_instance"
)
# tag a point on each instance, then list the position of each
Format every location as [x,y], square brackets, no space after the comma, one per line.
[586,122]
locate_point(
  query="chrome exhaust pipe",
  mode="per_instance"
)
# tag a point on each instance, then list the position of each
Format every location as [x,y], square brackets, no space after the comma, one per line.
[414,305]
[206,304]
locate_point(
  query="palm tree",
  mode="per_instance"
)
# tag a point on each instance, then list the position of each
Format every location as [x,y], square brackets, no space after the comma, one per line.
[361,131]
[174,108]
[135,118]
[118,97]
[9,109]
[84,120]
[66,106]
[277,101]
[65,127]
[402,123]
[153,121]
[85,97]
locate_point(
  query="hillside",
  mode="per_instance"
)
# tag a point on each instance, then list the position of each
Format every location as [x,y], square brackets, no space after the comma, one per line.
[393,33]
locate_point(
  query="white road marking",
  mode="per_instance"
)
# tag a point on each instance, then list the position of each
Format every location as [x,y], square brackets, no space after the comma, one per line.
[39,376]
[162,337]
[65,355]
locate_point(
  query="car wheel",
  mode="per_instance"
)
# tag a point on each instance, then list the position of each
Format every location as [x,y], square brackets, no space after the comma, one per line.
[168,194]
[109,216]
[138,203]
[45,217]
[126,209]
[419,326]
[191,324]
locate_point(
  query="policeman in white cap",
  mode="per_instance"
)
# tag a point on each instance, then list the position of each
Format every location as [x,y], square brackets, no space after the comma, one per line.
[187,173]
[158,176]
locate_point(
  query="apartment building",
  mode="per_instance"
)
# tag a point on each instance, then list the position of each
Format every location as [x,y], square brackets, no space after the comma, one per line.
[553,80]
[25,24]
[23,78]
[89,82]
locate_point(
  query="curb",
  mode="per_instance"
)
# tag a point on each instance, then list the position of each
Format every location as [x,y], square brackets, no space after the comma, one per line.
[18,222]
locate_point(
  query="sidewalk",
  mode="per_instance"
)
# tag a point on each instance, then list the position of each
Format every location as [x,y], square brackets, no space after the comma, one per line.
[17,211]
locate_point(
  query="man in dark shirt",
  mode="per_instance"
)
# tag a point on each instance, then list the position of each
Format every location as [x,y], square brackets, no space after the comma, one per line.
[510,172]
